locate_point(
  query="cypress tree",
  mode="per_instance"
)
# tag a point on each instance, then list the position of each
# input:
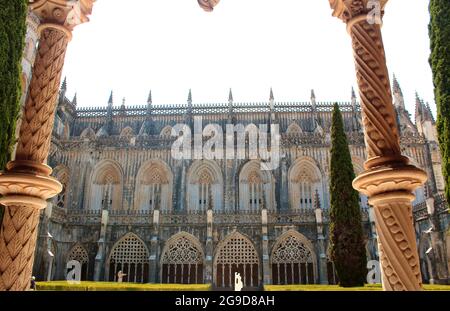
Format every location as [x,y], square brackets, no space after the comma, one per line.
[12,36]
[439,31]
[347,241]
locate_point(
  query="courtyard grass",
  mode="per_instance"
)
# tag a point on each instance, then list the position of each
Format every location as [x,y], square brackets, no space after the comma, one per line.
[367,287]
[114,286]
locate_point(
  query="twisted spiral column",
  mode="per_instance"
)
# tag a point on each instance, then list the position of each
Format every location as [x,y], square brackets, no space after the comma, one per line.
[389,179]
[26,183]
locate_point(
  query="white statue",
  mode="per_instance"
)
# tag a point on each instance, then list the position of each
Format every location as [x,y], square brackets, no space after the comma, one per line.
[120,276]
[238,282]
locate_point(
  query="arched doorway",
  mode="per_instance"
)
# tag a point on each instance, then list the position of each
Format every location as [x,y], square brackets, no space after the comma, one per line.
[293,260]
[182,260]
[79,253]
[236,253]
[131,256]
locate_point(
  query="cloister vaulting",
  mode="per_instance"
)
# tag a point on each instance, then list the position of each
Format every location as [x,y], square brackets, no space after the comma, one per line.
[389,180]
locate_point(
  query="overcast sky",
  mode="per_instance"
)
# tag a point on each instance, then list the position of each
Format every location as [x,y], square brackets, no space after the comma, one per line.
[249,45]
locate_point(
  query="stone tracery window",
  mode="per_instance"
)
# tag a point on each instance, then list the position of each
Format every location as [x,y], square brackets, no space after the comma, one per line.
[255,191]
[182,262]
[306,190]
[205,180]
[129,255]
[292,262]
[204,184]
[304,180]
[79,253]
[236,254]
[106,191]
[153,187]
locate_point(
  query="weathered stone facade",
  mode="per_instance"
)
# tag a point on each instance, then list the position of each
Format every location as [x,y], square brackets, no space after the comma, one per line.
[128,205]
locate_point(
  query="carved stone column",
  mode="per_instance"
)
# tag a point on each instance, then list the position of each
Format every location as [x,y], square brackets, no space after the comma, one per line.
[389,180]
[154,247]
[209,246]
[26,184]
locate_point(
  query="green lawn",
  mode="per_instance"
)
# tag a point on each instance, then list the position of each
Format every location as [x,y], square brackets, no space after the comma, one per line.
[374,287]
[114,286]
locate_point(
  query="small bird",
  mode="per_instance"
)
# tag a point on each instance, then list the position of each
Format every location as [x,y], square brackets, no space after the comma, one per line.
[208,5]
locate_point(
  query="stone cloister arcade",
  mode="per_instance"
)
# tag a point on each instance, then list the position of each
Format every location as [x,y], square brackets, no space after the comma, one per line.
[389,180]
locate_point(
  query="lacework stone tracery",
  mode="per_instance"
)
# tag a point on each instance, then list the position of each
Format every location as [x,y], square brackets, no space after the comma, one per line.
[80,254]
[130,256]
[292,262]
[237,254]
[182,262]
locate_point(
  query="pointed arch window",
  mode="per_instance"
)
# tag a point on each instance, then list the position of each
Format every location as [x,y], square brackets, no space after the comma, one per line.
[80,254]
[131,256]
[292,262]
[182,261]
[205,181]
[255,190]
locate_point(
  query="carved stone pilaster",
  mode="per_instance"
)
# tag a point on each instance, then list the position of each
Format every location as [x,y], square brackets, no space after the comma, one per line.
[389,180]
[209,246]
[100,256]
[26,183]
[265,246]
[154,248]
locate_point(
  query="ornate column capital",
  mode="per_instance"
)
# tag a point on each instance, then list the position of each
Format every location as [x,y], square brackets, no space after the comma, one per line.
[65,13]
[347,10]
[208,5]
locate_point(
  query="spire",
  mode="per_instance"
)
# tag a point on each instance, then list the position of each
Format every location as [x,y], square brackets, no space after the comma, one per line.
[110,101]
[428,114]
[353,99]
[74,100]
[64,85]
[313,100]
[190,97]
[149,99]
[230,96]
[419,108]
[62,92]
[271,98]
[396,86]
[123,102]
[399,101]
[313,95]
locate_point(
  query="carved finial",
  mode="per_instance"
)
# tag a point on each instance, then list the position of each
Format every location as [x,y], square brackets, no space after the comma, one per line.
[313,95]
[271,98]
[110,101]
[64,85]
[208,5]
[353,93]
[74,100]
[149,99]
[230,96]
[190,97]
